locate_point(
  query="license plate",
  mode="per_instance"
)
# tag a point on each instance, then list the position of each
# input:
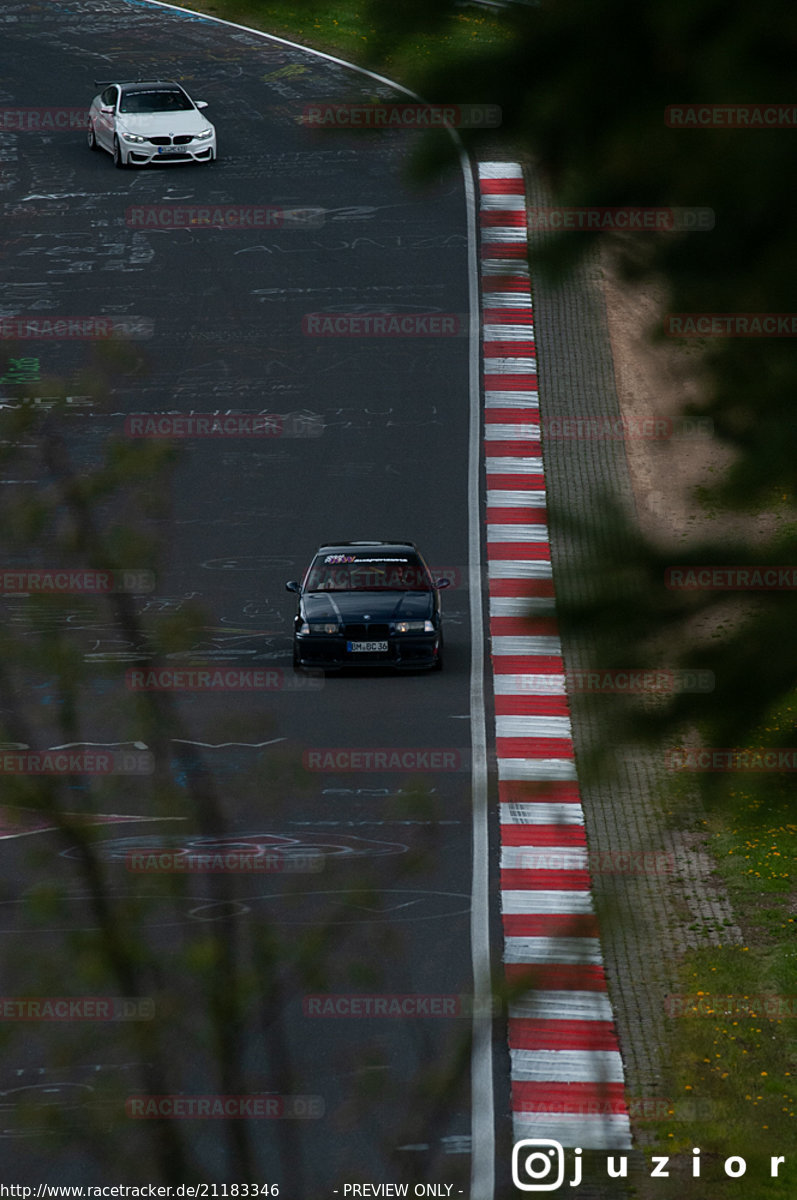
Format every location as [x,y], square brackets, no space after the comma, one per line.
[367,647]
[171,149]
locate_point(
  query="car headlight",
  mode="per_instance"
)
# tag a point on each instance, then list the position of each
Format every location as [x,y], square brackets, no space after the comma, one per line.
[131,137]
[414,627]
[317,627]
[201,137]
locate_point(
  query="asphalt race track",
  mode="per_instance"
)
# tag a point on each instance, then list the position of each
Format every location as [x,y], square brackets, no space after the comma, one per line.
[374,443]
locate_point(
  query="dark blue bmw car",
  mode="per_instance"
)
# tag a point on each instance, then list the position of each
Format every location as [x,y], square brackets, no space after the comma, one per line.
[368,604]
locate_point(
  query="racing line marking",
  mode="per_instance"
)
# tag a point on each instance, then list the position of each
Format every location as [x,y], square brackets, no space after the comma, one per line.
[567,1073]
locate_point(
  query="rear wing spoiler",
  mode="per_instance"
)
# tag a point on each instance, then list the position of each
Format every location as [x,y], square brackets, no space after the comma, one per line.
[125,82]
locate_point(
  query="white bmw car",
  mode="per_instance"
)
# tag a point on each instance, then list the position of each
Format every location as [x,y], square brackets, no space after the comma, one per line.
[143,122]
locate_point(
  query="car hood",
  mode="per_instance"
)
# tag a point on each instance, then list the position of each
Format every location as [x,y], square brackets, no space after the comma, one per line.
[379,606]
[162,124]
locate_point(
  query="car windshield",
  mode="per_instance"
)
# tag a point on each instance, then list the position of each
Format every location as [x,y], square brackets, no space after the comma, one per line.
[367,573]
[162,100]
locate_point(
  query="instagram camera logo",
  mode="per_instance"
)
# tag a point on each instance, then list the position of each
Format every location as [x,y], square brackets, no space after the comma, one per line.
[533,1160]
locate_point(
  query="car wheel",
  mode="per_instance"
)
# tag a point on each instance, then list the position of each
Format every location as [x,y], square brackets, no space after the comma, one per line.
[118,157]
[438,666]
[297,666]
[92,139]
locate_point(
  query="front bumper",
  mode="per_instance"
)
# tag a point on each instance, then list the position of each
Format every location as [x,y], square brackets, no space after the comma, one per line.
[408,652]
[142,153]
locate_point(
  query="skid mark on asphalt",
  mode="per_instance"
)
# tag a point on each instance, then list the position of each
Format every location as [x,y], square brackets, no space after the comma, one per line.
[22,822]
[311,907]
[223,745]
[307,850]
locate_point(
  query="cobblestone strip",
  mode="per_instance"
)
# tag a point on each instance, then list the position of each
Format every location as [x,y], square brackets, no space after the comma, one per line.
[652,917]
[567,1073]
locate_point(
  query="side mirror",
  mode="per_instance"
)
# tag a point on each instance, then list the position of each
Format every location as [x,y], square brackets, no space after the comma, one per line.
[106,108]
[201,103]
[293,586]
[442,583]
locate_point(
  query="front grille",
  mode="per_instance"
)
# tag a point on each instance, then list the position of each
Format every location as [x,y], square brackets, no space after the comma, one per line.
[161,141]
[182,139]
[367,632]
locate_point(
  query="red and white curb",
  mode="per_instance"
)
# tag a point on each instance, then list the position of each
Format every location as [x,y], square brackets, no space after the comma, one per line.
[567,1073]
